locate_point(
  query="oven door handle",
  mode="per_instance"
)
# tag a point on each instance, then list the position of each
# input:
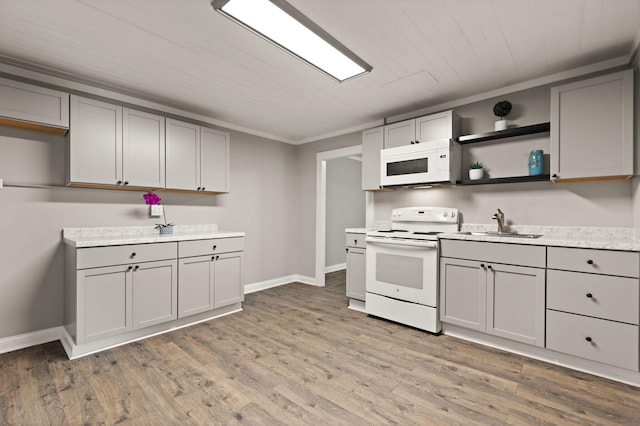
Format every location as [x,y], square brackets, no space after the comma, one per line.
[384,241]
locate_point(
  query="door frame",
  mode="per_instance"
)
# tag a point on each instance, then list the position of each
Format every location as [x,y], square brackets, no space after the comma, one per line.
[321,204]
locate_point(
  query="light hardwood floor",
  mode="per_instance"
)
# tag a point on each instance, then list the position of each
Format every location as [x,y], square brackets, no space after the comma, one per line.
[297,355]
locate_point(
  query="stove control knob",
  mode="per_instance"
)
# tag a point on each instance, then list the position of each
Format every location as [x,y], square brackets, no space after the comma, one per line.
[445,214]
[453,214]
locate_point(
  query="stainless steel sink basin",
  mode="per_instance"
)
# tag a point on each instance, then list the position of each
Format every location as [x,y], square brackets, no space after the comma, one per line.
[502,234]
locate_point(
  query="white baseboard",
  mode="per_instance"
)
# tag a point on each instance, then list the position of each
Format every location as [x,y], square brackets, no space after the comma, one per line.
[263,285]
[333,268]
[21,341]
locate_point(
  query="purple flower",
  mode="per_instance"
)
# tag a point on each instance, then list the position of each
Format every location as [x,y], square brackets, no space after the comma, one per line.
[151,198]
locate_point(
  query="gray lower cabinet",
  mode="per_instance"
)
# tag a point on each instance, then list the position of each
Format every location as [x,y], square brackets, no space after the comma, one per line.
[494,288]
[210,275]
[111,300]
[593,305]
[356,266]
[117,293]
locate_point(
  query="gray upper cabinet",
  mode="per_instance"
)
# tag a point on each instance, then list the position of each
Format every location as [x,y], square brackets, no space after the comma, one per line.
[197,158]
[592,128]
[214,160]
[143,149]
[400,134]
[372,143]
[111,145]
[95,142]
[32,107]
[443,125]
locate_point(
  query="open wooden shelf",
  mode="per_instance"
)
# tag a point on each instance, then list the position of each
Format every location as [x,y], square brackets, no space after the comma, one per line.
[514,179]
[507,133]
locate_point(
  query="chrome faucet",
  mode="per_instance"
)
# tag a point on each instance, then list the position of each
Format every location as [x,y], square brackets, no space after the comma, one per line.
[500,218]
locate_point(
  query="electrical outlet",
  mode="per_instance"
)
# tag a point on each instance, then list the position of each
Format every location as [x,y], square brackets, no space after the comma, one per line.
[156,210]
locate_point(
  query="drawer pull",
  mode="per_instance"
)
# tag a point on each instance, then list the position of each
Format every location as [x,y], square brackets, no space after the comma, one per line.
[214,247]
[355,242]
[133,254]
[588,339]
[589,295]
[590,262]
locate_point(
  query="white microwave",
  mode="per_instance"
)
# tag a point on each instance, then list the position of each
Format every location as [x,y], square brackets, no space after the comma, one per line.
[425,162]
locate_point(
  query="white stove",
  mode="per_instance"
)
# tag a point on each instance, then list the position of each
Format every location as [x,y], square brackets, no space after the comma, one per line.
[402,266]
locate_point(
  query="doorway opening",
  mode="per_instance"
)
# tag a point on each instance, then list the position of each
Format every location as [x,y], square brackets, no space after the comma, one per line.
[321,205]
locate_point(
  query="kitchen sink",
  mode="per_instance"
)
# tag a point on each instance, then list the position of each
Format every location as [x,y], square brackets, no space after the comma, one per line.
[502,234]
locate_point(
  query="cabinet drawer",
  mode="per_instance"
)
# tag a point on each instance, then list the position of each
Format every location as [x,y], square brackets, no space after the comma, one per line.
[94,257]
[622,263]
[510,254]
[610,342]
[601,296]
[212,246]
[356,240]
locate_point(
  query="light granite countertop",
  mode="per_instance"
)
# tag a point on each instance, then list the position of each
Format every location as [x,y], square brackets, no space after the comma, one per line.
[115,236]
[558,236]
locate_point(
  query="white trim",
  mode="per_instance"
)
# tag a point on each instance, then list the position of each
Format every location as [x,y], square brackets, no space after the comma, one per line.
[21,341]
[537,82]
[263,285]
[334,268]
[341,132]
[321,203]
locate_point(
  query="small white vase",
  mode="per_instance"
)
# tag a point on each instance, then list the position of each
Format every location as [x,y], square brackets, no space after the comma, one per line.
[475,174]
[501,125]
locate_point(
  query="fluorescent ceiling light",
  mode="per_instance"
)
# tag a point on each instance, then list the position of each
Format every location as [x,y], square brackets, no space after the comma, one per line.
[283,25]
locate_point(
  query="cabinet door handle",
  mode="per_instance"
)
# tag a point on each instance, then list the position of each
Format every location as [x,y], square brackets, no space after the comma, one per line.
[490,267]
[119,182]
[590,262]
[203,188]
[126,182]
[589,295]
[136,267]
[347,250]
[555,176]
[198,189]
[213,258]
[129,268]
[588,339]
[412,142]
[482,265]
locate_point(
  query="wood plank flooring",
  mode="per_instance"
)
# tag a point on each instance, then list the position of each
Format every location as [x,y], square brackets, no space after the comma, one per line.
[296,355]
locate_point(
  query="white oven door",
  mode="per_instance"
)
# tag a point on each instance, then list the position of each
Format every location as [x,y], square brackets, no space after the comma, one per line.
[403,269]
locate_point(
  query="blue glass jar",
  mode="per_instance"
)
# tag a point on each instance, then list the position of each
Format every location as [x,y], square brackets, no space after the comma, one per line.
[536,162]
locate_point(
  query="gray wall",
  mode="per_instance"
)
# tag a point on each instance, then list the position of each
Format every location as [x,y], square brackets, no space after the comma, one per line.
[306,163]
[345,206]
[262,203]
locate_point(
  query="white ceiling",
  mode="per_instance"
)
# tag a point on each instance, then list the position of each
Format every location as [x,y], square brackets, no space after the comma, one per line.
[423,53]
